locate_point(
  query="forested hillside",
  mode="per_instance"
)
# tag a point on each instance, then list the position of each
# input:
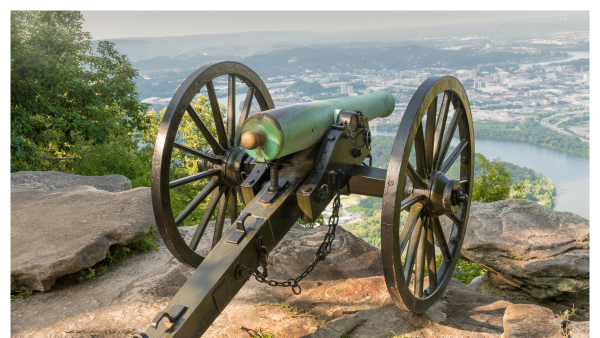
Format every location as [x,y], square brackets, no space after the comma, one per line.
[534,133]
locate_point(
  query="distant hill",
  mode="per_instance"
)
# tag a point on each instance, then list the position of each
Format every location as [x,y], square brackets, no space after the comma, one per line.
[191,45]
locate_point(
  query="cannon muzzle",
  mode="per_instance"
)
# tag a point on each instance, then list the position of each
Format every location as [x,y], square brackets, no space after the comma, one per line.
[283,131]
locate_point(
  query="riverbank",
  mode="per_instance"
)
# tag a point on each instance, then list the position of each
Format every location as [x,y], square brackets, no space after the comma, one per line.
[531,132]
[534,133]
[570,173]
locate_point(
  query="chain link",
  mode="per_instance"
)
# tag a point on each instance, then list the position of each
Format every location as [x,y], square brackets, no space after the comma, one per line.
[322,252]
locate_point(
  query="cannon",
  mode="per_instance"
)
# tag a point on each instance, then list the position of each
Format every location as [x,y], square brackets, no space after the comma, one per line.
[280,165]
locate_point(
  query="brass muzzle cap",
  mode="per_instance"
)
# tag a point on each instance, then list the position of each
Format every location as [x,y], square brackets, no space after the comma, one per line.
[254,139]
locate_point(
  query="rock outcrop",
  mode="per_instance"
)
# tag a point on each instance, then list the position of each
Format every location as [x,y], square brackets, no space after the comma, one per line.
[61,228]
[345,294]
[526,320]
[52,180]
[530,250]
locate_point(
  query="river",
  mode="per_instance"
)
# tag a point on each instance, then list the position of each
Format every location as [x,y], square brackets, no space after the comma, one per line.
[576,56]
[570,173]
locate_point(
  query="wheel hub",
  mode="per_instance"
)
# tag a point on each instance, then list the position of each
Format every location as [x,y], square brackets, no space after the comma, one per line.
[444,194]
[232,167]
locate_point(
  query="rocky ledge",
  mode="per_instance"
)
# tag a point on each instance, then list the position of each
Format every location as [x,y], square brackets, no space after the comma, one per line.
[345,294]
[532,252]
[59,226]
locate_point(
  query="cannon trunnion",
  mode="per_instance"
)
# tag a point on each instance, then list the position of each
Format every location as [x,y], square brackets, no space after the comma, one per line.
[286,174]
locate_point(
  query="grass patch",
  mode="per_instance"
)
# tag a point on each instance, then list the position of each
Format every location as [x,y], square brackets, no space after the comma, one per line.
[21,294]
[117,255]
[293,311]
[260,334]
[464,271]
[399,336]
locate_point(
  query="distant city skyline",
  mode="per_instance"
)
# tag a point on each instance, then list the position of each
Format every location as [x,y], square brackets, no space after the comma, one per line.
[126,24]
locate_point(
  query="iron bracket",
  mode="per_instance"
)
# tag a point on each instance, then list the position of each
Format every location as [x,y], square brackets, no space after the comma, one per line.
[174,313]
[240,231]
[271,196]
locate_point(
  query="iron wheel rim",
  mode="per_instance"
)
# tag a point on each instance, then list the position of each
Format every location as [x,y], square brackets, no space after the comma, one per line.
[165,140]
[393,244]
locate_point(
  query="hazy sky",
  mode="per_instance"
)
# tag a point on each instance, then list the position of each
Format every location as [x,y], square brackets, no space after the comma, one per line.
[113,24]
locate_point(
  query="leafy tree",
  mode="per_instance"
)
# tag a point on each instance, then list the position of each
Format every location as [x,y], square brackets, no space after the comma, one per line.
[184,164]
[493,182]
[63,93]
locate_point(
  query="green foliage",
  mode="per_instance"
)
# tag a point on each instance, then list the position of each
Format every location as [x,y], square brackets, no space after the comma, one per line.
[518,191]
[369,229]
[464,271]
[260,334]
[22,293]
[540,189]
[117,255]
[184,163]
[534,133]
[309,88]
[319,221]
[394,335]
[63,93]
[493,182]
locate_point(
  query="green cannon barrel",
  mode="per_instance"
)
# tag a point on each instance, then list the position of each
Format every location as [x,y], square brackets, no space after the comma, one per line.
[283,131]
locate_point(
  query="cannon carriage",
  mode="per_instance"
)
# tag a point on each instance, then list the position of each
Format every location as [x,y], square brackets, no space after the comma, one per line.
[284,164]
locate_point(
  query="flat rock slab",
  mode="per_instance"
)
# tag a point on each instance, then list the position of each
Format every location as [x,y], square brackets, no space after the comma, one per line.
[345,292]
[530,248]
[526,320]
[52,180]
[58,232]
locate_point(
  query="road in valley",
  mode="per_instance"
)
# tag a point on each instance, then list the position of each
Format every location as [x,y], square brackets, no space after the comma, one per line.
[546,123]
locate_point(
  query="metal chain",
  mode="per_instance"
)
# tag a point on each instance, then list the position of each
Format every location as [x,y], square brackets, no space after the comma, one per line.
[322,252]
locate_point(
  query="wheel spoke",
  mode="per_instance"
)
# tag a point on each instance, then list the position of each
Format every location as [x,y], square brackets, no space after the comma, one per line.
[197,200]
[411,254]
[216,147]
[220,218]
[214,105]
[193,178]
[430,133]
[413,218]
[441,239]
[420,153]
[430,255]
[454,155]
[420,264]
[454,218]
[410,201]
[231,110]
[414,177]
[244,114]
[233,212]
[210,209]
[448,137]
[440,127]
[197,153]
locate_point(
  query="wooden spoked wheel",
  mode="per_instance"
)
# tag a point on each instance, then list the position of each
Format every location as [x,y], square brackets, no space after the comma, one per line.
[217,163]
[426,192]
